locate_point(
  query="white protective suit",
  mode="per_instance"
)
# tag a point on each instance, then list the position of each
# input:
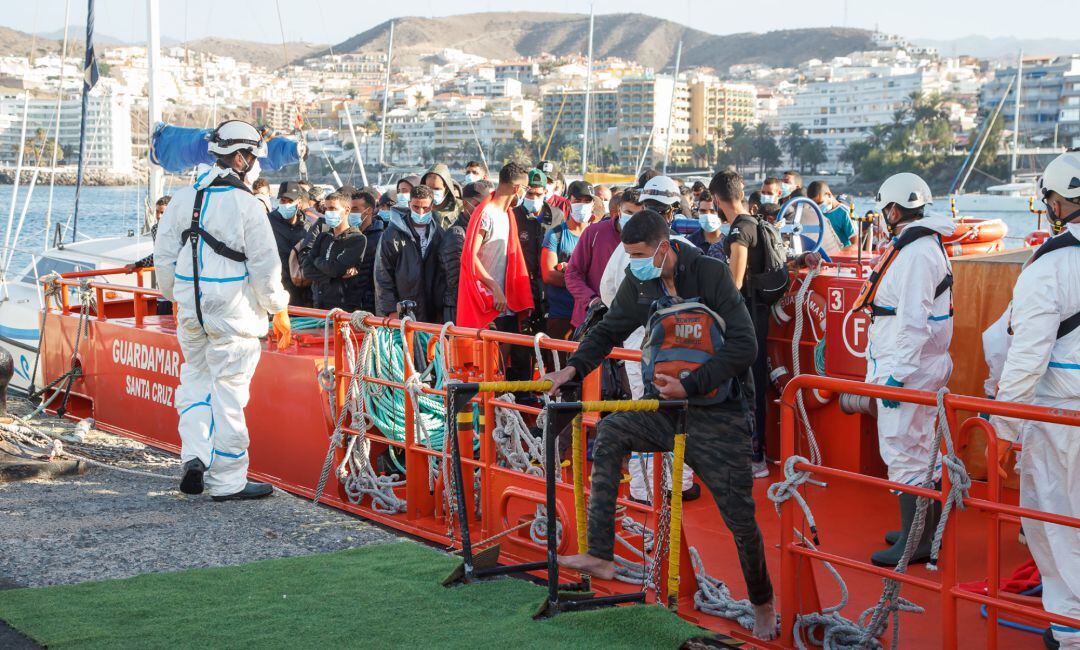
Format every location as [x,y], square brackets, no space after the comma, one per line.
[913,348]
[640,464]
[1045,370]
[219,360]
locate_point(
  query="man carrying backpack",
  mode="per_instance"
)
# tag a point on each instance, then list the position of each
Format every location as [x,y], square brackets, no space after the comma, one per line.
[758,268]
[718,440]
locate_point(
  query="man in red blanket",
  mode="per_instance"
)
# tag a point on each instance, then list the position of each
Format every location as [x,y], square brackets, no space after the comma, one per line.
[494,283]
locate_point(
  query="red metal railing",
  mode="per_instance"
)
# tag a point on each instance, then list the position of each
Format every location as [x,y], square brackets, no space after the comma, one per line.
[948,588]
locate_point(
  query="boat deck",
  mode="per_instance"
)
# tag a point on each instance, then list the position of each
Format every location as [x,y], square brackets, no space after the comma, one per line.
[290,424]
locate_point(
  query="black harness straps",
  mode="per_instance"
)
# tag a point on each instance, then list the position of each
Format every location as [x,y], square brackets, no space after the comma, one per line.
[196,231]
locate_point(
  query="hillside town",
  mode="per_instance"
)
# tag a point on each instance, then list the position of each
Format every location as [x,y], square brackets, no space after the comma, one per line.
[463,106]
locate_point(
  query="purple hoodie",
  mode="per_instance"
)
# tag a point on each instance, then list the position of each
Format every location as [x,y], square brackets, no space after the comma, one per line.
[587,264]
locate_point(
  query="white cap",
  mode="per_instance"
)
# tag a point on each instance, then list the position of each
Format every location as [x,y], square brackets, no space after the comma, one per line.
[904,189]
[1062,175]
[234,135]
[662,189]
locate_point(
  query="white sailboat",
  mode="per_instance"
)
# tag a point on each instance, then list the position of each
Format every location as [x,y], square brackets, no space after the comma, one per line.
[21,295]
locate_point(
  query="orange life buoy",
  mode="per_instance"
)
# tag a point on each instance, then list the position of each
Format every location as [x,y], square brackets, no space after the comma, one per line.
[1036,238]
[974,248]
[811,347]
[970,230]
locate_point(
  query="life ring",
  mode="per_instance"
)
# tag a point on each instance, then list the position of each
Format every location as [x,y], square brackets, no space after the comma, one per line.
[970,230]
[974,248]
[1036,238]
[781,331]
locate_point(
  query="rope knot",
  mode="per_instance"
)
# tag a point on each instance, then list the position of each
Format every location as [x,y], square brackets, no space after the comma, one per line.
[780,492]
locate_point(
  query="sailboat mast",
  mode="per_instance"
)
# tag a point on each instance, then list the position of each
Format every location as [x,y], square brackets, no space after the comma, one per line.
[385,103]
[588,92]
[153,114]
[671,107]
[1016,115]
[56,126]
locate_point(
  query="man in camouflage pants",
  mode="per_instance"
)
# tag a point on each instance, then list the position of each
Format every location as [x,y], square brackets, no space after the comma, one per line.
[718,440]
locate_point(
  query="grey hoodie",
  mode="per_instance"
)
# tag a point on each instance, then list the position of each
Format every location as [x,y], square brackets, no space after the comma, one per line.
[447,211]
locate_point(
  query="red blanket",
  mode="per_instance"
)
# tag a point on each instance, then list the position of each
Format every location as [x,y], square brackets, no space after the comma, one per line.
[476,307]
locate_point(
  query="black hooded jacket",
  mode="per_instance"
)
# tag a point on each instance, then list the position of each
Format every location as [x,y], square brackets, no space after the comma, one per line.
[287,236]
[326,264]
[402,272]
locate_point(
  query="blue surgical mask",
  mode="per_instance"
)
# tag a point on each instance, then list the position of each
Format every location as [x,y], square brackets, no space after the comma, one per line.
[580,212]
[533,206]
[403,199]
[420,219]
[768,199]
[332,218]
[471,178]
[386,215]
[643,268]
[624,218]
[355,219]
[438,196]
[287,210]
[786,189]
[709,222]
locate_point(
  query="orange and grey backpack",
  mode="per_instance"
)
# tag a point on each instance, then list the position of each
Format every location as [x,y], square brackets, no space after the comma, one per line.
[680,337]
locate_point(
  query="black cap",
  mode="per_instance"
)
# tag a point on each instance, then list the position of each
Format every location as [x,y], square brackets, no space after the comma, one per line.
[347,190]
[289,190]
[478,189]
[579,190]
[550,168]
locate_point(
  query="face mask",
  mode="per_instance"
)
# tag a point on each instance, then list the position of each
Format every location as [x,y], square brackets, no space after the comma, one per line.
[385,215]
[355,219]
[332,218]
[607,206]
[438,196]
[550,190]
[580,212]
[420,219]
[403,199]
[252,173]
[533,206]
[624,218]
[471,178]
[643,268]
[287,210]
[786,189]
[709,222]
[768,199]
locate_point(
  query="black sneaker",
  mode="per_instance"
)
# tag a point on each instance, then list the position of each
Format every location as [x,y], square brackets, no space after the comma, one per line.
[252,490]
[192,481]
[1049,641]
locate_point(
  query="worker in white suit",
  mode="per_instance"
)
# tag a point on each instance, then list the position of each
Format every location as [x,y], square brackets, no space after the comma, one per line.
[217,260]
[910,297]
[1043,367]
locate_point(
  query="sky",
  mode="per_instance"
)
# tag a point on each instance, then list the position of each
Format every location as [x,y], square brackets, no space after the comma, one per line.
[332,21]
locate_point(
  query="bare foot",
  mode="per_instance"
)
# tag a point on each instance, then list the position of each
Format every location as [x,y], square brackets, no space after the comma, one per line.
[765,623]
[585,563]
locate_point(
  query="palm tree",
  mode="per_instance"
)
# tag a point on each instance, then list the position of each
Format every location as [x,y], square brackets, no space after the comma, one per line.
[794,137]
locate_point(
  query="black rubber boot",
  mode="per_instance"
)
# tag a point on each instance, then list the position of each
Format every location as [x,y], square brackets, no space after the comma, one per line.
[891,537]
[192,481]
[1049,641]
[891,556]
[252,490]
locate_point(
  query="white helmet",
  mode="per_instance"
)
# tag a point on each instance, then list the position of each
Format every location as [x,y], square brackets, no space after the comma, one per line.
[662,189]
[904,189]
[1062,175]
[234,135]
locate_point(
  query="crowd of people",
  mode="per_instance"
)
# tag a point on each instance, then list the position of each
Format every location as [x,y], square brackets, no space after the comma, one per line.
[522,251]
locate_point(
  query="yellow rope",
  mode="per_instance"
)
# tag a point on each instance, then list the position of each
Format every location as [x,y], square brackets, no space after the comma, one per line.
[676,521]
[514,386]
[578,472]
[621,406]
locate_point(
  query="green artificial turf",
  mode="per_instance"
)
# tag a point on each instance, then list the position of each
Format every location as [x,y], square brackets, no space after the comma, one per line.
[383,596]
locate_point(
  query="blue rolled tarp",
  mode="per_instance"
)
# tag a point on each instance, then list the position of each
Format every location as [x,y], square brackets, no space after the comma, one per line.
[178,149]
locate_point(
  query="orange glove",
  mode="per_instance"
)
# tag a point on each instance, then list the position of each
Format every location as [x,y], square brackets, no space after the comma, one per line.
[283,329]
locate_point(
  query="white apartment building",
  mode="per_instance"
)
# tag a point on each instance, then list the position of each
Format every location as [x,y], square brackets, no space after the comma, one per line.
[108,134]
[842,112]
[645,106]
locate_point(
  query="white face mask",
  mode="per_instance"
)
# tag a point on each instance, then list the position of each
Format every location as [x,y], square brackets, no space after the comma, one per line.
[607,206]
[550,191]
[580,212]
[403,199]
[709,222]
[252,173]
[471,178]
